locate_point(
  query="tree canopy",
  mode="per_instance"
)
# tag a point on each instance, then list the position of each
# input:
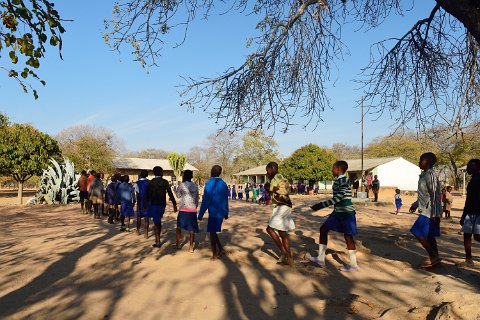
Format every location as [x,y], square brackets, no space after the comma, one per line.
[257,149]
[310,163]
[90,147]
[25,152]
[29,27]
[426,75]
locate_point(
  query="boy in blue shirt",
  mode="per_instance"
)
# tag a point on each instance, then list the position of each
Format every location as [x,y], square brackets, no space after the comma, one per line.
[140,193]
[342,219]
[126,197]
[215,200]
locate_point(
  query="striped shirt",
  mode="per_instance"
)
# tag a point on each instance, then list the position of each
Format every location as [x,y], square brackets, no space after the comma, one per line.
[342,199]
[429,201]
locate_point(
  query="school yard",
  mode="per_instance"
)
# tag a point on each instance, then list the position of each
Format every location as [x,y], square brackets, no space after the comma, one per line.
[59,264]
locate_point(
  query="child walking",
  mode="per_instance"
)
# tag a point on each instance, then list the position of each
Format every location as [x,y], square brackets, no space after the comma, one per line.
[97,195]
[156,201]
[342,219]
[215,200]
[470,220]
[429,204]
[110,198]
[126,197]
[187,192]
[398,202]
[281,221]
[140,192]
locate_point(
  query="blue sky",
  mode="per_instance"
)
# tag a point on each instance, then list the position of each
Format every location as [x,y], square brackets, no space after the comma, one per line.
[94,85]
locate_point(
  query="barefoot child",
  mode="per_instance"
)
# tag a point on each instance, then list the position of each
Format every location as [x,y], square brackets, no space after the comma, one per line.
[429,205]
[470,220]
[140,192]
[398,202]
[156,201]
[342,219]
[281,221]
[215,200]
[126,198]
[187,192]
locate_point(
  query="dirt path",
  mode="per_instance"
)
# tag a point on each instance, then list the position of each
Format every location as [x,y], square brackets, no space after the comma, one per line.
[59,264]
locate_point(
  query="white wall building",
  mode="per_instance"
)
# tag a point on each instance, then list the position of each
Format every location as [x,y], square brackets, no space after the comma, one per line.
[394,172]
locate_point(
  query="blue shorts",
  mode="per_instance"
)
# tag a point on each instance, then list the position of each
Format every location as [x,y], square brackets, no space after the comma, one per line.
[398,203]
[424,227]
[187,221]
[214,224]
[126,209]
[156,212]
[346,225]
[141,213]
[83,195]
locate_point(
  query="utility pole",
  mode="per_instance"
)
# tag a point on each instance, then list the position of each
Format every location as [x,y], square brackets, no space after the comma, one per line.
[363,127]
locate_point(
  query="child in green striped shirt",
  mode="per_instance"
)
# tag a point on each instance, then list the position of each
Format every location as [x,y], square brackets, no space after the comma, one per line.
[342,219]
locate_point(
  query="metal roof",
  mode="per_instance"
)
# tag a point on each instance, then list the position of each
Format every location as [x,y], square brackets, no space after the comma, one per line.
[368,163]
[145,164]
[258,171]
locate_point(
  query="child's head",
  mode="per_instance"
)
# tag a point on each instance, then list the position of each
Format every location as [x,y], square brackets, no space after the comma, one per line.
[339,168]
[427,160]
[83,173]
[473,166]
[397,191]
[143,174]
[376,177]
[216,171]
[158,171]
[444,190]
[114,178]
[187,175]
[449,189]
[126,178]
[93,173]
[272,169]
[98,175]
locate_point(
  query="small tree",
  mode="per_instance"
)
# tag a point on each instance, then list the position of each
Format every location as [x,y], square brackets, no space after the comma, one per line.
[177,163]
[25,152]
[310,163]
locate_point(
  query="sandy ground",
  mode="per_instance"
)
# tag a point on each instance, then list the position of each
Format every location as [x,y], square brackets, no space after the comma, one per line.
[59,264]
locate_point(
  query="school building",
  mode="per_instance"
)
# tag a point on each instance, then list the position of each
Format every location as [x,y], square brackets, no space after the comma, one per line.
[393,172]
[254,175]
[133,166]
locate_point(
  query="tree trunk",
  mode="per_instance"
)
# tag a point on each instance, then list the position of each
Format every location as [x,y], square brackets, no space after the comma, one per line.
[20,192]
[467,12]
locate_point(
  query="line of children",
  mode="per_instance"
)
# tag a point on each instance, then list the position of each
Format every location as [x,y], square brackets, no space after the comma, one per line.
[342,219]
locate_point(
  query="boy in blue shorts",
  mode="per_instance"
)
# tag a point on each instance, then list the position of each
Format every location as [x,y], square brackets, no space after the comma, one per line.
[126,197]
[342,219]
[156,201]
[215,200]
[140,192]
[110,198]
[429,204]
